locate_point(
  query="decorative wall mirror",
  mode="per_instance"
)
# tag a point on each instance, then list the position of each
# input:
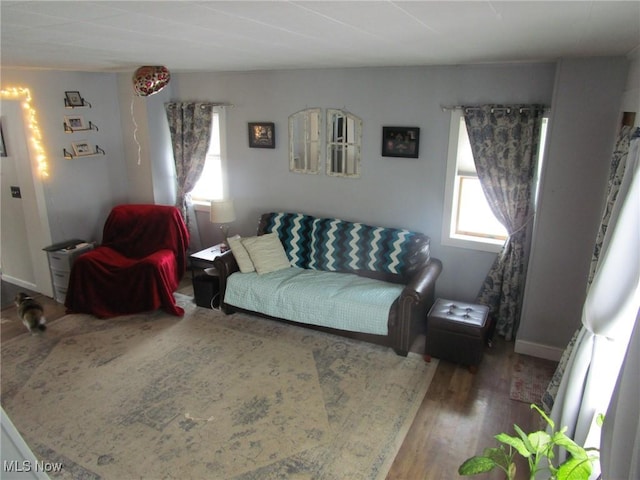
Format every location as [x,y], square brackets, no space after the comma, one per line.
[304,141]
[344,143]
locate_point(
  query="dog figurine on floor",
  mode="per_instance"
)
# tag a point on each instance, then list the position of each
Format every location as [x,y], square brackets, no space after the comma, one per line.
[30,312]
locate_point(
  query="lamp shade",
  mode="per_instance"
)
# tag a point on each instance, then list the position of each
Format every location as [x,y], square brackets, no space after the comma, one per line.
[222,211]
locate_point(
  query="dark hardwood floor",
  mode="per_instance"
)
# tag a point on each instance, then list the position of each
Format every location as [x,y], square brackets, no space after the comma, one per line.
[460,415]
[458,418]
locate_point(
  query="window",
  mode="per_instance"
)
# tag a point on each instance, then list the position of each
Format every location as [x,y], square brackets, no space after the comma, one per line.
[344,139]
[212,185]
[468,221]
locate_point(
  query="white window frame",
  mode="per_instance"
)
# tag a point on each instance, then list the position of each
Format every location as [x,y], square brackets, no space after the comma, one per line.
[449,237]
[203,204]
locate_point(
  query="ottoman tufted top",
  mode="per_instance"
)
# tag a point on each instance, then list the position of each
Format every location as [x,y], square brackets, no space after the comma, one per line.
[464,317]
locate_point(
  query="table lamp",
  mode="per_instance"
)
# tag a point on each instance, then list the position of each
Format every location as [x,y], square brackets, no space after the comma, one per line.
[222,212]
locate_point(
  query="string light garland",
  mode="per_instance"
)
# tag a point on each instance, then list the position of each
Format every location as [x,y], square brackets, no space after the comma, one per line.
[22,93]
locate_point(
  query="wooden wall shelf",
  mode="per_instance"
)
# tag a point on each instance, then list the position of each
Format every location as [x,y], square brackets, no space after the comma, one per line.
[70,156]
[68,129]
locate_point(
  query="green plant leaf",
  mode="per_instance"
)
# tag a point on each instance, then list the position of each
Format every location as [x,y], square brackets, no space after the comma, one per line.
[540,441]
[600,419]
[544,415]
[570,446]
[574,469]
[525,439]
[499,456]
[475,465]
[514,442]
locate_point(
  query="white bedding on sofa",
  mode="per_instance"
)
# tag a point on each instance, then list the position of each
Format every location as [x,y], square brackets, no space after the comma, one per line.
[338,300]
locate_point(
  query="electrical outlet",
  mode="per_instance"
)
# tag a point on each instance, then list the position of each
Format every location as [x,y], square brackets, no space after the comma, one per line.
[15,192]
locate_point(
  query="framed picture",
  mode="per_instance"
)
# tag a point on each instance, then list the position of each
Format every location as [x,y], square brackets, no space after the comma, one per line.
[82,148]
[3,148]
[262,135]
[400,142]
[75,122]
[73,99]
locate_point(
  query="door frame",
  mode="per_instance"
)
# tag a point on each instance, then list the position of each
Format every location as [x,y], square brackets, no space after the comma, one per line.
[32,174]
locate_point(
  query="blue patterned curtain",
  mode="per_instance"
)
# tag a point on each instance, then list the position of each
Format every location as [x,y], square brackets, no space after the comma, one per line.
[504,141]
[190,128]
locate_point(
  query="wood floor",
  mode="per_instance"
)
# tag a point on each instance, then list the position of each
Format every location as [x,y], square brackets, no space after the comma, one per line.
[458,418]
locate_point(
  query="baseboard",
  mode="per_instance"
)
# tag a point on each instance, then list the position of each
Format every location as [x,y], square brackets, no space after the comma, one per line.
[538,350]
[20,283]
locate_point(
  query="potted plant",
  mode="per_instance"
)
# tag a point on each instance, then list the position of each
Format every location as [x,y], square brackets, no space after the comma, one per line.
[535,447]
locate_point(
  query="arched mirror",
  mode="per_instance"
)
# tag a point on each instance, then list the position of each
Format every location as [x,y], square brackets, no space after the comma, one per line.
[344,143]
[304,141]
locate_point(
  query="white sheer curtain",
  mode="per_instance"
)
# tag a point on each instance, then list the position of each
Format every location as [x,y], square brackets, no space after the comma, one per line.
[620,444]
[608,317]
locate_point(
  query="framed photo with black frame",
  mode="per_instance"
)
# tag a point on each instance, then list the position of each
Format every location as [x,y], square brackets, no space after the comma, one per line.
[262,135]
[73,99]
[400,142]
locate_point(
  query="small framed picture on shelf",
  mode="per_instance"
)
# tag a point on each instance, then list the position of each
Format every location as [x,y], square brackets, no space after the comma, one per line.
[75,122]
[73,99]
[82,148]
[400,142]
[262,135]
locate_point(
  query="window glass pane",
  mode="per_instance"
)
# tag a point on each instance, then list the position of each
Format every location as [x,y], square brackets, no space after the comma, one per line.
[209,186]
[466,164]
[474,214]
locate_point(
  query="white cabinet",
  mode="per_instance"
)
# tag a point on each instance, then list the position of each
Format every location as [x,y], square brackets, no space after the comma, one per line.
[60,261]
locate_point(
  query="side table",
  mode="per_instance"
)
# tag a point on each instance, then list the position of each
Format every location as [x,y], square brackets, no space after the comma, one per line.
[61,257]
[206,285]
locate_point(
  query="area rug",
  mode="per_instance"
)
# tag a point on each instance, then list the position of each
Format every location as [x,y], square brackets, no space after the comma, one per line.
[210,396]
[530,379]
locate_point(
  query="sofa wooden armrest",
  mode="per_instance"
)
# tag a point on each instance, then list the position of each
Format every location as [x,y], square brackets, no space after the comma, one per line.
[225,264]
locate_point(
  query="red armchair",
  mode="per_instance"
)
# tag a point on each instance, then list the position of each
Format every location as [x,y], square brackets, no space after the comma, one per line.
[138,266]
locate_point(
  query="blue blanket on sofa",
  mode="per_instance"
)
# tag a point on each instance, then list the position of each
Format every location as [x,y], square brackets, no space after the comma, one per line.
[346,301]
[337,245]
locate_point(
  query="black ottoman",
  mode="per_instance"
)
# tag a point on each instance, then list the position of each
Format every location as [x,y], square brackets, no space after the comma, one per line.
[456,331]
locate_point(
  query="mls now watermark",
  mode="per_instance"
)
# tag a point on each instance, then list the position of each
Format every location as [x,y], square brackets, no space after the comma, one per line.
[16,466]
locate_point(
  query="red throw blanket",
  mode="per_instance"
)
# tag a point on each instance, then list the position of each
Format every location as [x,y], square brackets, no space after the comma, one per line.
[138,266]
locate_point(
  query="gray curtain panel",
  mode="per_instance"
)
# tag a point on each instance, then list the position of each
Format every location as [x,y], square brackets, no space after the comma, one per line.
[504,141]
[190,128]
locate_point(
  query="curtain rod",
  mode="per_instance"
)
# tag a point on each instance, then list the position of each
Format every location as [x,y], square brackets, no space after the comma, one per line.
[172,104]
[447,108]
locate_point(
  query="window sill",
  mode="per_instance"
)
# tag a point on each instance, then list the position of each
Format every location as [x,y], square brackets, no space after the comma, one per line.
[473,243]
[201,205]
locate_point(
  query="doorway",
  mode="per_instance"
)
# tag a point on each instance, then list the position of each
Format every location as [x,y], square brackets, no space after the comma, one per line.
[24,222]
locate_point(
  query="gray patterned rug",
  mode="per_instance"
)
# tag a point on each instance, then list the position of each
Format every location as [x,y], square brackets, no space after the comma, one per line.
[210,396]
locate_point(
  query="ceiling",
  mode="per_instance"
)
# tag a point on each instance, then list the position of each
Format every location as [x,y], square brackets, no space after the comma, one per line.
[258,35]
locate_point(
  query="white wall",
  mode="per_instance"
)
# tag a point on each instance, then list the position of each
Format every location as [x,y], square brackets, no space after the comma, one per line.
[584,121]
[631,98]
[79,192]
[391,192]
[149,164]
